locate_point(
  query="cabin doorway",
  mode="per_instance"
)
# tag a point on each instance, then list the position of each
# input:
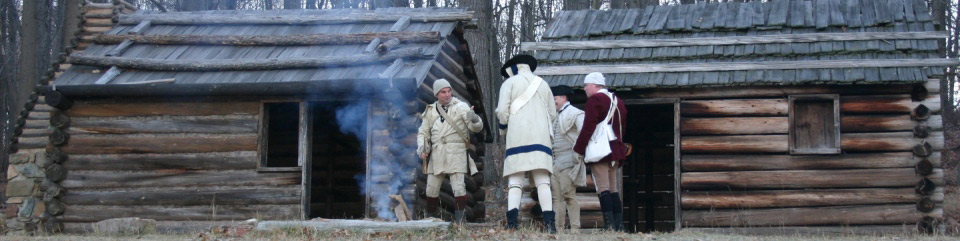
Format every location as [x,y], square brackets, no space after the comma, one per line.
[337,159]
[650,174]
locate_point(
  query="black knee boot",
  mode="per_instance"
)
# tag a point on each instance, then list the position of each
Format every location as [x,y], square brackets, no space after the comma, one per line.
[512,217]
[617,208]
[549,221]
[607,208]
[432,203]
[459,215]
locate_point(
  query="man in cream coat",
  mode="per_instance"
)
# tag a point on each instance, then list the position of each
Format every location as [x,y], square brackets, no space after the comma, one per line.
[525,112]
[569,171]
[442,140]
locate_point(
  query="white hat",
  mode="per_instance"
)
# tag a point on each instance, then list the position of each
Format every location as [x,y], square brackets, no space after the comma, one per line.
[439,85]
[595,78]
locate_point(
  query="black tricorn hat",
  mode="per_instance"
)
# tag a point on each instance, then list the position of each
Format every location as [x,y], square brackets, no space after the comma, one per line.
[561,90]
[519,59]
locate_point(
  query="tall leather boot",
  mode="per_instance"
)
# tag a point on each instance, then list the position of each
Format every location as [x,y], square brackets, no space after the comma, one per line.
[607,208]
[512,216]
[549,221]
[617,211]
[432,203]
[459,215]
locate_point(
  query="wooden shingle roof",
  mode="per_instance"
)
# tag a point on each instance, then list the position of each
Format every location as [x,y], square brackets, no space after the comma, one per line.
[732,44]
[337,63]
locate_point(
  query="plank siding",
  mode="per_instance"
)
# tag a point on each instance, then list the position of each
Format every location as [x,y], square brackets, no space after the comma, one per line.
[175,161]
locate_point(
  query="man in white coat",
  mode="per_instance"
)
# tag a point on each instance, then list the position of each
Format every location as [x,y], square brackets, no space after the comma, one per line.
[442,140]
[525,112]
[569,171]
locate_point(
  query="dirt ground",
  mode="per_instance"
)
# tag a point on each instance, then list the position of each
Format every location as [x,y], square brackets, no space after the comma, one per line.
[462,234]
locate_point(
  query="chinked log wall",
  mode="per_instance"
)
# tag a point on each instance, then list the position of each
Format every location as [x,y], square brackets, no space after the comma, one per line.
[181,162]
[737,173]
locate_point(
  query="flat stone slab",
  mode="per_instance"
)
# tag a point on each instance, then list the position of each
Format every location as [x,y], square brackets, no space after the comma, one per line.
[356,225]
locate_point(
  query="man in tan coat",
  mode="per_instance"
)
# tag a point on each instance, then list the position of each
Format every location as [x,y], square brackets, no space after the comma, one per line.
[569,171]
[442,140]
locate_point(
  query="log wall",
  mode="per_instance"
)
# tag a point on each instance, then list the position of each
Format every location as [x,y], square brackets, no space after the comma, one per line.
[737,171]
[170,160]
[458,70]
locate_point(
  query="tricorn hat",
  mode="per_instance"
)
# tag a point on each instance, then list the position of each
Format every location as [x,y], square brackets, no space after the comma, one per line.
[519,59]
[561,90]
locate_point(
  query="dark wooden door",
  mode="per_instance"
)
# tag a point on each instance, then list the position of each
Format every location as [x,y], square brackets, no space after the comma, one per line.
[648,176]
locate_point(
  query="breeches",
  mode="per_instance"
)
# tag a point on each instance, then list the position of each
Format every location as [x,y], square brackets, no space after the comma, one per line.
[541,178]
[604,177]
[434,181]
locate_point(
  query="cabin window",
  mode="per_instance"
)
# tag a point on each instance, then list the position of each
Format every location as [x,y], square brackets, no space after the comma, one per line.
[814,124]
[279,136]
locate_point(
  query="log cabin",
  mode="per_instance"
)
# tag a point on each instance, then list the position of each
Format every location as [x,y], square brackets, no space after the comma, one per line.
[196,119]
[766,117]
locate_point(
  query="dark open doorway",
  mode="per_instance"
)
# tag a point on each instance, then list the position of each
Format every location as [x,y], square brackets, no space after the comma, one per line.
[649,177]
[337,158]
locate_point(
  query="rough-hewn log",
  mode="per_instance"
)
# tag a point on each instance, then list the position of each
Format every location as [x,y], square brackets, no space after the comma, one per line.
[245,64]
[587,201]
[134,125]
[387,46]
[734,144]
[887,141]
[921,112]
[925,186]
[924,167]
[59,120]
[742,66]
[59,137]
[84,180]
[885,123]
[886,104]
[165,227]
[175,108]
[55,172]
[796,198]
[94,213]
[55,155]
[57,100]
[186,161]
[830,231]
[733,126]
[732,40]
[159,143]
[922,131]
[120,48]
[250,19]
[187,197]
[889,177]
[926,205]
[923,149]
[734,107]
[709,163]
[329,225]
[270,40]
[140,27]
[841,215]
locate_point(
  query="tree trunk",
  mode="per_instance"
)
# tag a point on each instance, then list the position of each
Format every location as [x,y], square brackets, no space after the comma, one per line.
[486,58]
[197,5]
[292,4]
[576,4]
[9,86]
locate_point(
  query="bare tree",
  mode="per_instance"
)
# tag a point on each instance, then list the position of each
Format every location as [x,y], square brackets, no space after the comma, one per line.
[292,4]
[576,4]
[9,86]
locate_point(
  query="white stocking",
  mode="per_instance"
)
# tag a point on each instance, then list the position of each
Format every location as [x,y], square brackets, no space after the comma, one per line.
[542,179]
[515,183]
